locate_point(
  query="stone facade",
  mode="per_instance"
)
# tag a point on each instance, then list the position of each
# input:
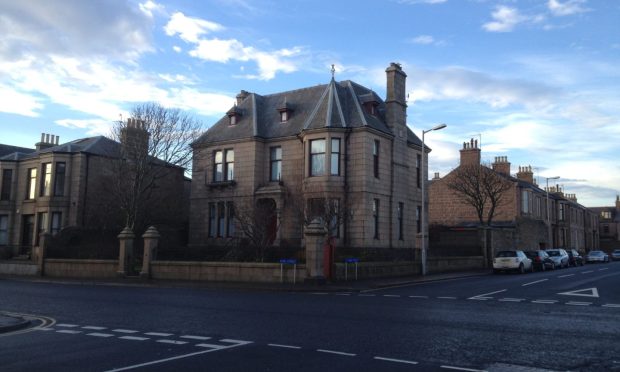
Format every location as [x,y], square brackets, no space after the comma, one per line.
[338,141]
[609,225]
[522,215]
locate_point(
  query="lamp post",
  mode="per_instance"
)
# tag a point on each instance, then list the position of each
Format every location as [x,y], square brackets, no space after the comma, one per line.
[423,216]
[549,237]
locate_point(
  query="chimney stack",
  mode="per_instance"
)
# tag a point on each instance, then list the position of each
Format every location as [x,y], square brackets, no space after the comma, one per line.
[242,96]
[501,165]
[470,153]
[526,174]
[395,102]
[135,138]
[47,141]
[436,176]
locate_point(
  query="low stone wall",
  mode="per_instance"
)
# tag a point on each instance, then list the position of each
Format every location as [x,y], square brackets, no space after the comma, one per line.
[67,268]
[367,270]
[225,271]
[18,268]
[447,264]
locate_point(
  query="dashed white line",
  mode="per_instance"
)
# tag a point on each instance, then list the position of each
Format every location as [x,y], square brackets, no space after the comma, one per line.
[67,325]
[486,294]
[284,346]
[462,369]
[508,299]
[565,276]
[213,346]
[343,294]
[97,334]
[134,338]
[366,295]
[69,331]
[236,341]
[446,298]
[575,303]
[335,352]
[94,328]
[391,295]
[124,331]
[174,342]
[611,305]
[607,268]
[396,360]
[418,296]
[586,272]
[320,293]
[544,301]
[158,334]
[530,283]
[44,329]
[199,338]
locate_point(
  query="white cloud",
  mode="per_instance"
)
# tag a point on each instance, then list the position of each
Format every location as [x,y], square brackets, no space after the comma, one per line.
[177,49]
[504,19]
[423,39]
[149,7]
[190,29]
[432,2]
[14,102]
[94,127]
[569,7]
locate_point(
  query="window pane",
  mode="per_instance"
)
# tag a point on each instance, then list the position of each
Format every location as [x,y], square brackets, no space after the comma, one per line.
[218,156]
[7,180]
[59,180]
[276,170]
[335,145]
[276,153]
[219,172]
[46,180]
[4,230]
[230,171]
[230,155]
[317,146]
[335,165]
[318,164]
[211,220]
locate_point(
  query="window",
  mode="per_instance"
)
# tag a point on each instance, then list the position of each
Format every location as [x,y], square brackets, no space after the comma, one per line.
[41,225]
[334,223]
[561,213]
[525,201]
[375,157]
[7,180]
[418,170]
[221,219]
[275,163]
[56,223]
[604,214]
[223,165]
[230,219]
[335,157]
[46,180]
[317,157]
[605,229]
[59,179]
[283,116]
[4,230]
[32,183]
[212,220]
[418,220]
[375,215]
[233,120]
[230,165]
[401,206]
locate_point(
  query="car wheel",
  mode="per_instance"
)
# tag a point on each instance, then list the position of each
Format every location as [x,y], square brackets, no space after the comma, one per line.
[543,267]
[521,269]
[553,266]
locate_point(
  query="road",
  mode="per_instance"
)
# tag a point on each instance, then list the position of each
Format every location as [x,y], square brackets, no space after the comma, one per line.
[557,320]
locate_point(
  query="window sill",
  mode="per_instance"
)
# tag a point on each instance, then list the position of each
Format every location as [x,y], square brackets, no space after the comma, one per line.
[221,184]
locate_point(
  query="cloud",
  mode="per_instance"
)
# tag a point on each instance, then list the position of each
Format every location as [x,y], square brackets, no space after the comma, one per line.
[94,126]
[14,102]
[505,19]
[426,40]
[569,7]
[150,7]
[413,2]
[190,29]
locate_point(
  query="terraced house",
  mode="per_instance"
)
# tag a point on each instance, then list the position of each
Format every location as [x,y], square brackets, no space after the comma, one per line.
[290,151]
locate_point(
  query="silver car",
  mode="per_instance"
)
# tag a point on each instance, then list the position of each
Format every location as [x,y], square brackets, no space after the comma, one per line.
[512,260]
[615,254]
[559,257]
[597,256]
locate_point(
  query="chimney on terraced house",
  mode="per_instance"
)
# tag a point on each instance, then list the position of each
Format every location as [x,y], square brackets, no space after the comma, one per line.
[47,141]
[526,174]
[501,165]
[470,153]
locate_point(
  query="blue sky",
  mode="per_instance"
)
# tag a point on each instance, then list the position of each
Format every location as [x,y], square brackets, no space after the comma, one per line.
[537,81]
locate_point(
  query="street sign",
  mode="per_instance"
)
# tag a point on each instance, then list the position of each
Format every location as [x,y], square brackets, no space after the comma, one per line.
[351,260]
[288,261]
[591,292]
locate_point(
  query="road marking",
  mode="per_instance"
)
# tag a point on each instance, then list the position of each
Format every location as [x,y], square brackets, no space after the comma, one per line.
[593,293]
[607,268]
[545,301]
[418,296]
[285,346]
[530,283]
[94,328]
[172,358]
[199,338]
[320,293]
[462,369]
[586,272]
[96,334]
[44,329]
[447,298]
[486,294]
[335,352]
[134,338]
[396,360]
[366,295]
[239,342]
[158,334]
[480,298]
[124,331]
[391,295]
[213,346]
[574,303]
[69,331]
[67,325]
[611,305]
[174,342]
[343,294]
[507,299]
[565,276]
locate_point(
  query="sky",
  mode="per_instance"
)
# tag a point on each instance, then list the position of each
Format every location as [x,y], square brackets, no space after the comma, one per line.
[534,80]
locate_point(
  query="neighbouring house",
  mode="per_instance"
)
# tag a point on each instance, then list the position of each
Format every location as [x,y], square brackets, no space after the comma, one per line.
[524,220]
[609,225]
[290,152]
[56,185]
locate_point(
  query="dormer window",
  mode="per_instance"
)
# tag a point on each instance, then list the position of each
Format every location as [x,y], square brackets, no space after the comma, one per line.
[233,119]
[370,103]
[285,111]
[233,115]
[283,116]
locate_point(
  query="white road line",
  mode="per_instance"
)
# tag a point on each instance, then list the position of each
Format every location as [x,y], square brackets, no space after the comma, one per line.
[508,299]
[480,298]
[418,296]
[446,298]
[343,294]
[96,334]
[611,305]
[44,329]
[544,301]
[335,352]
[158,334]
[174,342]
[586,272]
[134,338]
[396,360]
[462,369]
[239,342]
[366,295]
[320,293]
[199,338]
[530,283]
[565,276]
[284,346]
[607,268]
[69,331]
[213,346]
[486,294]
[94,328]
[67,325]
[391,295]
[169,359]
[574,303]
[124,331]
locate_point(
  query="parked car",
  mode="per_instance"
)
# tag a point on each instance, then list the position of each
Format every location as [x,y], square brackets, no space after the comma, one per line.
[615,254]
[574,258]
[540,260]
[597,256]
[559,257]
[511,260]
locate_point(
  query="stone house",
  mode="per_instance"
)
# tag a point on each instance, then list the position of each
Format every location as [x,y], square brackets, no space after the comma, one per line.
[60,185]
[293,150]
[609,225]
[521,220]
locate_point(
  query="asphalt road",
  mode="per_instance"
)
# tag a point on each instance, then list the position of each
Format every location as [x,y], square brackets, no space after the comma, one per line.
[559,320]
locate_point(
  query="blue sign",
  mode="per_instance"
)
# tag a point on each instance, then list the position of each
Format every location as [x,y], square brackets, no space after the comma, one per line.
[290,261]
[351,260]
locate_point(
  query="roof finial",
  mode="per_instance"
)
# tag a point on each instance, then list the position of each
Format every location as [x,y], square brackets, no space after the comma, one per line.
[333,70]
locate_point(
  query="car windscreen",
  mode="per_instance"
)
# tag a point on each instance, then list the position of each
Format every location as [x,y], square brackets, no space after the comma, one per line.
[506,254]
[531,254]
[596,253]
[553,253]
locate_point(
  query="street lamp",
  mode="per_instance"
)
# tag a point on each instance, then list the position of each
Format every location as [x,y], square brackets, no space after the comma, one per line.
[423,216]
[549,237]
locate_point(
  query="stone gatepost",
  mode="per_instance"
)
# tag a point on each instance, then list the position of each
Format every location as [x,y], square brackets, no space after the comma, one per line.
[151,239]
[315,239]
[125,252]
[41,251]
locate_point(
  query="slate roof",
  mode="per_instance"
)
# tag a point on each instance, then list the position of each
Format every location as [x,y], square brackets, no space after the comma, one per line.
[7,150]
[332,105]
[99,145]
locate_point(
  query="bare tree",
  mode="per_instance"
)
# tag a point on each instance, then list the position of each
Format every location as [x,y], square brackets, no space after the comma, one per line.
[258,223]
[153,141]
[480,187]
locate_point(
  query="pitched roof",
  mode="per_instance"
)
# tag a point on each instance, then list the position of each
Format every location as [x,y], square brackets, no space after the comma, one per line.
[12,151]
[332,105]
